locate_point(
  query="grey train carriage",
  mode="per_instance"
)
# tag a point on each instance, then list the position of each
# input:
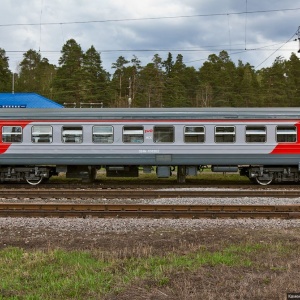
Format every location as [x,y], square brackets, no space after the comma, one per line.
[261,143]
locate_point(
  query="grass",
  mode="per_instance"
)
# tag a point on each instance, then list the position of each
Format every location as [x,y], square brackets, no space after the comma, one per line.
[58,274]
[205,177]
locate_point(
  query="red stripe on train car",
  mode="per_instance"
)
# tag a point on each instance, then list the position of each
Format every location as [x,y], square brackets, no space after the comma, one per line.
[289,148]
[5,146]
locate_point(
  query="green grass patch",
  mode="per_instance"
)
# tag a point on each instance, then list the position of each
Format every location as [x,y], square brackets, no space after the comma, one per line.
[59,274]
[206,176]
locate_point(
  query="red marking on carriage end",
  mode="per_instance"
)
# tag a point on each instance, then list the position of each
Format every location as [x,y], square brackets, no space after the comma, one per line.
[5,146]
[289,148]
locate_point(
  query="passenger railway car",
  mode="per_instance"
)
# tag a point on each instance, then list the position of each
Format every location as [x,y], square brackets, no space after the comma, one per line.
[261,143]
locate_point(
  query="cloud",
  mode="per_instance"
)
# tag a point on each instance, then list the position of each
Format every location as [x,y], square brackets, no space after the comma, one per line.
[196,28]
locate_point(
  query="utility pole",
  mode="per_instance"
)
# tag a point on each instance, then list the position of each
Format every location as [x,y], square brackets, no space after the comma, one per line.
[13,83]
[129,96]
[298,33]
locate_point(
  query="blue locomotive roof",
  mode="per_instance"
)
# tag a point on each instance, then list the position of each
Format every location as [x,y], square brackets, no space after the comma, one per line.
[26,100]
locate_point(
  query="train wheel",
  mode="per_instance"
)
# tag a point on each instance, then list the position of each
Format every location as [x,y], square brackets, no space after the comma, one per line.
[263,181]
[34,181]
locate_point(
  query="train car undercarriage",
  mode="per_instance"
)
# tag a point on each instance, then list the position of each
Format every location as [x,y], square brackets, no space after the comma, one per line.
[263,175]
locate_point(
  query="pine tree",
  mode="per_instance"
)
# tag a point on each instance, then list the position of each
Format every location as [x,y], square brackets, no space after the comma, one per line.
[36,74]
[95,79]
[5,73]
[151,84]
[68,85]
[121,99]
[293,79]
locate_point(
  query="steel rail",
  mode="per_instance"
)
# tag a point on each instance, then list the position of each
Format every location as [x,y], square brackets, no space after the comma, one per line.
[134,194]
[133,185]
[149,211]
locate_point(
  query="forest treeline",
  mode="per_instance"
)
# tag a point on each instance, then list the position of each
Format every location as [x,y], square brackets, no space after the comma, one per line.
[80,79]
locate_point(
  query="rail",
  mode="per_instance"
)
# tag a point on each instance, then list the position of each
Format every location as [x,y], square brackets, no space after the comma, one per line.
[149,211]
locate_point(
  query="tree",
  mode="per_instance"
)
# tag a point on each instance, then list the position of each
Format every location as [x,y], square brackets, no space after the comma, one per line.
[95,79]
[184,82]
[273,84]
[168,64]
[292,74]
[5,74]
[36,74]
[28,75]
[190,81]
[219,74]
[247,88]
[133,82]
[119,65]
[174,91]
[151,84]
[68,84]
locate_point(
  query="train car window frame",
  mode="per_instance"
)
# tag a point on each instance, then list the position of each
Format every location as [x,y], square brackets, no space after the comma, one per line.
[227,137]
[15,135]
[163,134]
[39,136]
[103,137]
[289,135]
[72,134]
[194,136]
[133,134]
[255,134]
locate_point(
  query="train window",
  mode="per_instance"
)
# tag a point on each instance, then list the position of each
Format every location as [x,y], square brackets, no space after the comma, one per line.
[72,134]
[163,134]
[133,134]
[11,134]
[286,134]
[224,134]
[103,134]
[194,134]
[256,134]
[41,134]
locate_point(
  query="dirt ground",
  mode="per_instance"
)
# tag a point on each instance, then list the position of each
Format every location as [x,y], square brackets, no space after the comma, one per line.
[271,276]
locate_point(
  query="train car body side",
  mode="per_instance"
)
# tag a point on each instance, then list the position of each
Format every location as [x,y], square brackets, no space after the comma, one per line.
[263,145]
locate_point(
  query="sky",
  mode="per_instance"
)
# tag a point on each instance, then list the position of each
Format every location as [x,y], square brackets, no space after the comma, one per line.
[252,31]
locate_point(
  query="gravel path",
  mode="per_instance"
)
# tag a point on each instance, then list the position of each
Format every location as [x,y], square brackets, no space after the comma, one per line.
[225,201]
[98,226]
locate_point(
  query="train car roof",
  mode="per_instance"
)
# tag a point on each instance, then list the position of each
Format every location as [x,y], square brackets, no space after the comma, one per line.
[149,113]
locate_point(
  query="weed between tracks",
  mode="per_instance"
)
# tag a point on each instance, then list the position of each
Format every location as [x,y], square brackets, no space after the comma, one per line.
[204,178]
[226,272]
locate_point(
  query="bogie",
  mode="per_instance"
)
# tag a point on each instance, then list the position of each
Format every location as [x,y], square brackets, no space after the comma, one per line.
[265,175]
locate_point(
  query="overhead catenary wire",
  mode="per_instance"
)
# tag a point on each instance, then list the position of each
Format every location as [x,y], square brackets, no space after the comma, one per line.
[152,18]
[41,25]
[232,50]
[203,49]
[246,25]
[276,50]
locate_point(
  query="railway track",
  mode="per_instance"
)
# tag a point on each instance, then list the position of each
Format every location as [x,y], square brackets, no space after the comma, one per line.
[145,185]
[149,211]
[134,194]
